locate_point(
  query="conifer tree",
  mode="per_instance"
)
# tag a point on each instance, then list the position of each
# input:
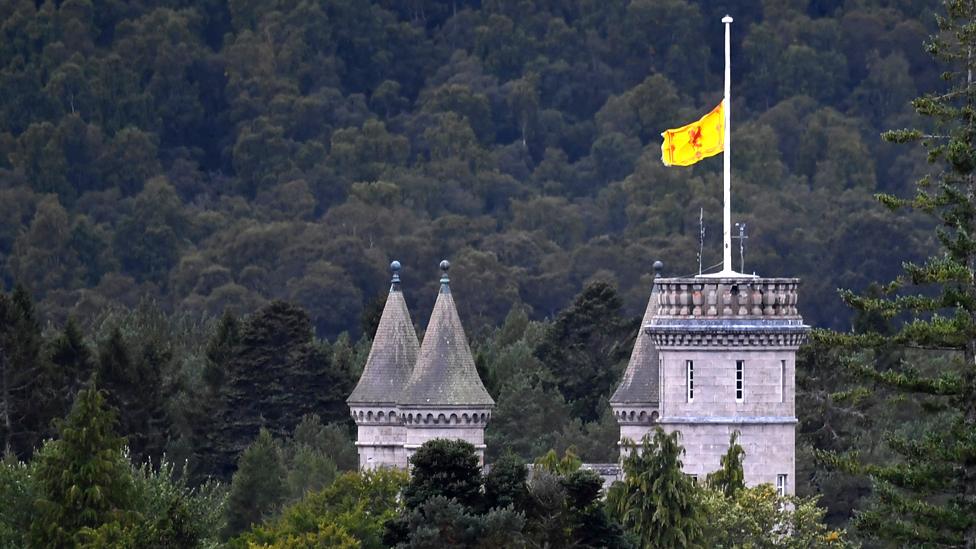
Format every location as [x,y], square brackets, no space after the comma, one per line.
[258,486]
[730,479]
[72,361]
[134,384]
[82,478]
[928,496]
[27,388]
[656,501]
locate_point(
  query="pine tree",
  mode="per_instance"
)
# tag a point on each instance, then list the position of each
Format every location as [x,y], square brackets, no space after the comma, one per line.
[82,478]
[928,496]
[656,500]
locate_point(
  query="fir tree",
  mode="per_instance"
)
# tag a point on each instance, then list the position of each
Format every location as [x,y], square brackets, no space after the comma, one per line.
[82,478]
[928,496]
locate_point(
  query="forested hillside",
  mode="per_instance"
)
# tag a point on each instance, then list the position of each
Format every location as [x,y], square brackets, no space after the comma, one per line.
[219,155]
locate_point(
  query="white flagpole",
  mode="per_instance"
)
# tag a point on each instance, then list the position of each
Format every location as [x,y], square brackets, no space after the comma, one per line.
[727,108]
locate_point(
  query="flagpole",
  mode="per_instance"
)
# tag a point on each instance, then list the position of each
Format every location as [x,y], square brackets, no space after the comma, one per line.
[727,108]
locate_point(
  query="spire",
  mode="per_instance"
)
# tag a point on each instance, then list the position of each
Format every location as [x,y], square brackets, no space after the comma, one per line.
[445,374]
[393,354]
[641,380]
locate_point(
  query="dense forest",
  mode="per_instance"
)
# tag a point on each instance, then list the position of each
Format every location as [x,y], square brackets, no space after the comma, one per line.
[219,155]
[199,202]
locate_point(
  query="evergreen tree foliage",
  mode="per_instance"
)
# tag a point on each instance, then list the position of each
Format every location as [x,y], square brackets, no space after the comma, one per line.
[73,362]
[928,495]
[27,385]
[730,479]
[656,500]
[275,374]
[132,375]
[447,468]
[82,478]
[585,346]
[258,486]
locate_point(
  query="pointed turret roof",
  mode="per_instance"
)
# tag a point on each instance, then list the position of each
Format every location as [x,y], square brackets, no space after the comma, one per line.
[641,382]
[393,354]
[445,374]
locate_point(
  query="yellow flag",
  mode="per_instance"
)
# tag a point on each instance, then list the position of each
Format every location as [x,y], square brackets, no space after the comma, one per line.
[688,144]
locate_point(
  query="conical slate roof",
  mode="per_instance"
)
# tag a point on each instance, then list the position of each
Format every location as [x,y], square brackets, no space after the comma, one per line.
[641,383]
[393,354]
[445,374]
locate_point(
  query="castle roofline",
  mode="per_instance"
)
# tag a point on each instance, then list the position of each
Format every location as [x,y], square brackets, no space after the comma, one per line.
[393,353]
[445,373]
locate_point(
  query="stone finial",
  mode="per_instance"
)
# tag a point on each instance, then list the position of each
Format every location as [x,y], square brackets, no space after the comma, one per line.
[395,267]
[445,266]
[658,267]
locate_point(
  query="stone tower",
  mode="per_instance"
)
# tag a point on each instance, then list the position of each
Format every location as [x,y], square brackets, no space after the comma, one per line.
[380,431]
[444,397]
[724,351]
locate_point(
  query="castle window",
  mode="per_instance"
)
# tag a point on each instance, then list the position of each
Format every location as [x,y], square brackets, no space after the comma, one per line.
[739,366]
[782,381]
[781,485]
[690,379]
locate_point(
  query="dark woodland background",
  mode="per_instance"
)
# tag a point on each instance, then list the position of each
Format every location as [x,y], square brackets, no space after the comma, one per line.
[199,200]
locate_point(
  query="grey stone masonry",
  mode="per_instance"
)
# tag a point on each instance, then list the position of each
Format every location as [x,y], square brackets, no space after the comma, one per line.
[725,361]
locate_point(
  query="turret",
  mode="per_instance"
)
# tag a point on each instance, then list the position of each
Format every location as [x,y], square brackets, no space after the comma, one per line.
[380,431]
[444,397]
[636,402]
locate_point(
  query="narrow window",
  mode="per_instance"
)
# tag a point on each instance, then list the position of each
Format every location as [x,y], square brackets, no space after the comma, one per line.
[782,381]
[690,379]
[738,380]
[694,478]
[781,484]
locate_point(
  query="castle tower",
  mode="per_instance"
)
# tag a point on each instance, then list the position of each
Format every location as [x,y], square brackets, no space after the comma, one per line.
[444,397]
[380,431]
[726,356]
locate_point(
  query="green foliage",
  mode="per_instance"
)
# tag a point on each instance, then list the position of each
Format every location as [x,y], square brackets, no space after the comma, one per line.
[926,494]
[270,374]
[730,479]
[759,517]
[258,486]
[352,510]
[657,500]
[82,478]
[16,500]
[585,347]
[28,390]
[448,468]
